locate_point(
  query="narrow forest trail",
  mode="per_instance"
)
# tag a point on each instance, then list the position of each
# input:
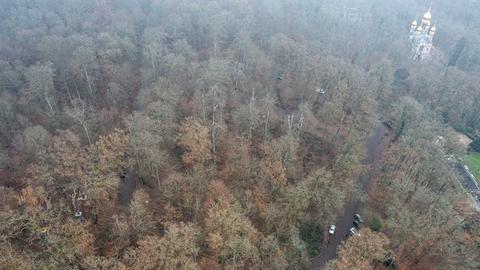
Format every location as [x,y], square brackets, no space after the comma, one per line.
[375,149]
[130,182]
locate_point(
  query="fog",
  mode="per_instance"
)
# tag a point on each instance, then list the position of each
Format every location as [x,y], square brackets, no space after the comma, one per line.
[232,134]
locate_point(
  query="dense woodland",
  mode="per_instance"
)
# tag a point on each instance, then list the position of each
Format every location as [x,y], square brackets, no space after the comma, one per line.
[161,134]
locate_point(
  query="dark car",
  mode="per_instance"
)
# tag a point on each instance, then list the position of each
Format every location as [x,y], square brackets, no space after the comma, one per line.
[358,218]
[356,224]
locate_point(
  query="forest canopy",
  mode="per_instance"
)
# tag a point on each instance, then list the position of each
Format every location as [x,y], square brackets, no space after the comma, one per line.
[160,134]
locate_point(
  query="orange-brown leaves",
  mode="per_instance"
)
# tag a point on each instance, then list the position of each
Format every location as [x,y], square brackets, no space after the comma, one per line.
[177,249]
[280,161]
[195,140]
[229,232]
[102,263]
[274,170]
[13,259]
[31,198]
[361,252]
[81,241]
[209,263]
[218,194]
[111,150]
[261,202]
[239,164]
[273,167]
[70,158]
[170,213]
[142,218]
[105,159]
[184,195]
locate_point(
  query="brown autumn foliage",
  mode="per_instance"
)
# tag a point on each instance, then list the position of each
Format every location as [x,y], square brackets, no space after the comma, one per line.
[111,151]
[177,249]
[227,228]
[32,199]
[365,251]
[142,218]
[194,138]
[225,134]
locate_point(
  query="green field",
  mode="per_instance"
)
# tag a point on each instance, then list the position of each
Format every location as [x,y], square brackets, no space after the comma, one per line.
[473,162]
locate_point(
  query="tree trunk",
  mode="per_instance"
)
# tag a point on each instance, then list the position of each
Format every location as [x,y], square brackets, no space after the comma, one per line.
[265,132]
[251,107]
[47,99]
[88,81]
[68,89]
[76,89]
[213,128]
[154,68]
[84,125]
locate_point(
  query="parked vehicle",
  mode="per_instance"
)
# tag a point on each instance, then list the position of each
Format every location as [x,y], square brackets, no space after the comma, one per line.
[358,218]
[353,231]
[356,224]
[331,229]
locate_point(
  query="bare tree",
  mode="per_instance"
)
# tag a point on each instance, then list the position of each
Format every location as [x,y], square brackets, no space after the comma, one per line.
[78,112]
[40,83]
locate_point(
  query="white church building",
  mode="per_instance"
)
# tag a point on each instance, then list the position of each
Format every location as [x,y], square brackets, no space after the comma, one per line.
[421,37]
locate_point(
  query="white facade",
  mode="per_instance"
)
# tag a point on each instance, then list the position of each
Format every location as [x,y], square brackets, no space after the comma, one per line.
[421,37]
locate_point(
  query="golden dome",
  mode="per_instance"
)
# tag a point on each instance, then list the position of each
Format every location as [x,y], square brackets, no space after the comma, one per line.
[427,16]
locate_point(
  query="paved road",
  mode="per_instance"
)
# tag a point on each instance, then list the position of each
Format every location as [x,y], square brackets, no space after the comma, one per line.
[469,182]
[128,185]
[375,148]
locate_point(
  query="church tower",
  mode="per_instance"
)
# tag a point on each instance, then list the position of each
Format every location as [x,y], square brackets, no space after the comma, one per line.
[421,37]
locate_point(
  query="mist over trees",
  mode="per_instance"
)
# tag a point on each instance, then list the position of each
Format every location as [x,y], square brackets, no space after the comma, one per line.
[159,134]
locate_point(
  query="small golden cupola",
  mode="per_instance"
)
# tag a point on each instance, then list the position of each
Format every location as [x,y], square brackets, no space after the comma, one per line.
[428,16]
[414,25]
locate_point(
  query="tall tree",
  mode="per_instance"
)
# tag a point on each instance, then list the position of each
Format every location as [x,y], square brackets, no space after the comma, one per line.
[194,138]
[364,251]
[177,249]
[40,84]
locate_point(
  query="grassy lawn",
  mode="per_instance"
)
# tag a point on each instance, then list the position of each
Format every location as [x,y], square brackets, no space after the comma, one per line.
[473,162]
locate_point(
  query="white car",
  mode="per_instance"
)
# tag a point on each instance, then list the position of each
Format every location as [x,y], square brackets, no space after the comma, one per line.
[331,229]
[353,231]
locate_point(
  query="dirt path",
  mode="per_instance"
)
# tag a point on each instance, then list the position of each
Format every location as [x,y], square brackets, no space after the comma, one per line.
[375,148]
[128,185]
